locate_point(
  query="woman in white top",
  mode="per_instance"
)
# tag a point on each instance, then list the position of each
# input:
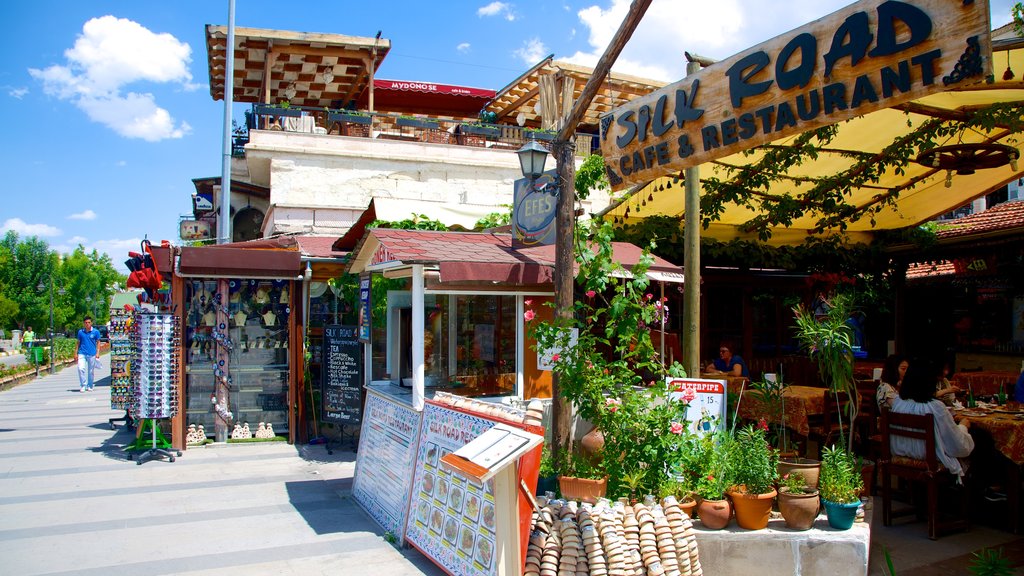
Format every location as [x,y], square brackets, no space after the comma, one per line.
[917,396]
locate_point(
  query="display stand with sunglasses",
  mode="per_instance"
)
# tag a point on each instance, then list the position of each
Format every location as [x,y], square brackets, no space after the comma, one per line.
[120,366]
[154,380]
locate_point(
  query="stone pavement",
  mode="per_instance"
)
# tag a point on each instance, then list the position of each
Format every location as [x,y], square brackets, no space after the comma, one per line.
[71,503]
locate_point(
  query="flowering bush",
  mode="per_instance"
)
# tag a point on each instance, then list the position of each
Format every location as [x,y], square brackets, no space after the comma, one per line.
[755,461]
[608,368]
[706,465]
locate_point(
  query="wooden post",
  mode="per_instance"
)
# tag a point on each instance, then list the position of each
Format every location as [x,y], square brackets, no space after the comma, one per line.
[564,149]
[691,264]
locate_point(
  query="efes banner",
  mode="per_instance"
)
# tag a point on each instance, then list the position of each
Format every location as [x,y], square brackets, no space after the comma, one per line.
[865,57]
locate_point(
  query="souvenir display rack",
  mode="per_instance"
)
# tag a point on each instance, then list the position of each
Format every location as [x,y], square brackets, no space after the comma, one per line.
[154,376]
[237,348]
[120,365]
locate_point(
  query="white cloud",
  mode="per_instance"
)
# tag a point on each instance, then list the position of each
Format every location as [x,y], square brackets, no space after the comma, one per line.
[532,51]
[121,163]
[25,229]
[501,9]
[87,215]
[714,29]
[18,93]
[463,47]
[76,240]
[110,54]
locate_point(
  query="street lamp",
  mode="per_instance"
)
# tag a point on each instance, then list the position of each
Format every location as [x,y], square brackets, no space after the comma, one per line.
[531,159]
[60,291]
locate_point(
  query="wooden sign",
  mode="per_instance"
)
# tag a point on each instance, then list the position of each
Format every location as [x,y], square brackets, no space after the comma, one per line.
[342,393]
[868,56]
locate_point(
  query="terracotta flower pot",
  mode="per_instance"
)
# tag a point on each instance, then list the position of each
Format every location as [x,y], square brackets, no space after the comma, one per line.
[582,489]
[714,514]
[799,510]
[808,468]
[688,507]
[752,510]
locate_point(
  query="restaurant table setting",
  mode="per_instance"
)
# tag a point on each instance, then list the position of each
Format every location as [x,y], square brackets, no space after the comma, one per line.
[985,382]
[1004,423]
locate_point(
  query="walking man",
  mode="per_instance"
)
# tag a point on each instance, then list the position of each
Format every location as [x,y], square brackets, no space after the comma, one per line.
[85,348]
[28,338]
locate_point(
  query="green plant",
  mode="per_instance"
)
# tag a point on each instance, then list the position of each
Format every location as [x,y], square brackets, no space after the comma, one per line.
[794,483]
[754,461]
[770,395]
[678,488]
[547,463]
[578,466]
[840,480]
[607,366]
[284,104]
[706,464]
[888,561]
[633,480]
[989,562]
[390,537]
[828,340]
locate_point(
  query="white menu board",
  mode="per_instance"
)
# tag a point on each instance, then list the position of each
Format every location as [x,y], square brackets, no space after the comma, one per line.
[384,464]
[453,518]
[705,410]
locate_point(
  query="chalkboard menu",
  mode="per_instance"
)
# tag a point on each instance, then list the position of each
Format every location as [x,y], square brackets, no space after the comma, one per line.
[342,375]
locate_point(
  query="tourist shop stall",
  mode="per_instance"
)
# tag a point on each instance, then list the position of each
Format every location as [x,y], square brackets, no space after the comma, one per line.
[449,357]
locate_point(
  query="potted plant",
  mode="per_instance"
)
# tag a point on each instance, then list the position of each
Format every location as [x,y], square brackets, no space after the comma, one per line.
[755,468]
[798,502]
[548,476]
[581,480]
[416,122]
[840,486]
[680,493]
[713,478]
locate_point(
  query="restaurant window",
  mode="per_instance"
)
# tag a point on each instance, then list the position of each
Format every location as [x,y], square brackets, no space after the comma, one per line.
[469,342]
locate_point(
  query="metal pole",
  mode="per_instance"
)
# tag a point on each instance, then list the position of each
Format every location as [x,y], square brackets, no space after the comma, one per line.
[224,219]
[691,264]
[51,324]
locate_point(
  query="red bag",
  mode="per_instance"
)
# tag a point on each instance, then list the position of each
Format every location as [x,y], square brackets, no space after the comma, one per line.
[144,274]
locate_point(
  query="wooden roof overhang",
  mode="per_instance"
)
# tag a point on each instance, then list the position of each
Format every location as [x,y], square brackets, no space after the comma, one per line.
[269,62]
[524,93]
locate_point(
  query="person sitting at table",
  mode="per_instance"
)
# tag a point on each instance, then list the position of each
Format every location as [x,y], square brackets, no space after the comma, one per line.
[917,396]
[892,376]
[943,389]
[727,362]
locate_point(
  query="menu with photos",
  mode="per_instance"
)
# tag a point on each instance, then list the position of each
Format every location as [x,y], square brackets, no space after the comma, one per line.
[385,461]
[453,519]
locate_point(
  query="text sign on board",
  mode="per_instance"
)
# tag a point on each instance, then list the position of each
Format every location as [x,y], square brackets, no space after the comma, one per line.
[706,410]
[365,320]
[342,375]
[868,56]
[533,211]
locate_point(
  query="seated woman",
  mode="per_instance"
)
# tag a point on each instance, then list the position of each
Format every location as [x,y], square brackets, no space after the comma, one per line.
[917,396]
[727,363]
[943,389]
[892,376]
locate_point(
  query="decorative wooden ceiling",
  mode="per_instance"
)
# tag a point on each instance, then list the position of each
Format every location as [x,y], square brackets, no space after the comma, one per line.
[307,69]
[525,92]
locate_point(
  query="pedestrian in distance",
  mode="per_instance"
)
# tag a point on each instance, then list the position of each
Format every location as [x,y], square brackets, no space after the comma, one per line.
[28,338]
[86,342]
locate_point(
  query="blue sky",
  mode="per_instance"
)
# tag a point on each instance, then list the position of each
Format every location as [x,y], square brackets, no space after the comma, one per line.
[108,115]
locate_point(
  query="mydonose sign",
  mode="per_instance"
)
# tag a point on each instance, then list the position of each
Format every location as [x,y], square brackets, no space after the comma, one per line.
[868,56]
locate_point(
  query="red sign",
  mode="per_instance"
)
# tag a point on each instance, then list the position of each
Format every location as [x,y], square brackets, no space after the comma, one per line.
[432,88]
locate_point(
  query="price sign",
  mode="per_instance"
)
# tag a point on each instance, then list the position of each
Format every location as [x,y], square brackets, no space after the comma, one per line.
[705,400]
[342,375]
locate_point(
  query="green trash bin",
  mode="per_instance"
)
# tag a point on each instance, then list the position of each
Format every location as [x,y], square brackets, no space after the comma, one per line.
[37,354]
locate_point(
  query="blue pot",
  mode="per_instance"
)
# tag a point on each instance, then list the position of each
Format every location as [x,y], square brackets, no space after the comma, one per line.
[547,484]
[840,516]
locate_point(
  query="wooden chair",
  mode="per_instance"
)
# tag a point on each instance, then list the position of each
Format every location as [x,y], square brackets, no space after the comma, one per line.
[830,426]
[929,470]
[866,426]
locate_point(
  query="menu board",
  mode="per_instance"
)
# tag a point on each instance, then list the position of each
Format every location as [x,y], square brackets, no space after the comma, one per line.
[341,399]
[385,461]
[453,518]
[705,402]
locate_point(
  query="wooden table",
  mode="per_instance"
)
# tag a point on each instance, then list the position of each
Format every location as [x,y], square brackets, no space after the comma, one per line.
[1005,425]
[985,383]
[800,403]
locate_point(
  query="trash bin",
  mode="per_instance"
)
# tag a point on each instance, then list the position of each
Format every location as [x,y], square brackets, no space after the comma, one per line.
[36,354]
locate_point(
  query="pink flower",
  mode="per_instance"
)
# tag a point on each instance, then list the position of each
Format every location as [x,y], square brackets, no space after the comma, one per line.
[591,293]
[689,395]
[762,424]
[528,302]
[649,296]
[664,298]
[528,315]
[711,477]
[676,428]
[785,476]
[555,357]
[612,404]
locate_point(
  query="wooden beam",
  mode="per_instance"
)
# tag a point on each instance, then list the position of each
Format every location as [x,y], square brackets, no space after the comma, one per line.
[519,102]
[932,111]
[304,50]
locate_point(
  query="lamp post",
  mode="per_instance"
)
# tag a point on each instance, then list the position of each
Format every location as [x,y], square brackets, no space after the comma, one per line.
[531,160]
[60,291]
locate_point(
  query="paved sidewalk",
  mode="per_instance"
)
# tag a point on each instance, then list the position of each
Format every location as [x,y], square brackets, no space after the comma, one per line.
[71,503]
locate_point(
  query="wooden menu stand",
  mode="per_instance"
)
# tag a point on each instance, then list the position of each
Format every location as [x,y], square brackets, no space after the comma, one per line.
[494,454]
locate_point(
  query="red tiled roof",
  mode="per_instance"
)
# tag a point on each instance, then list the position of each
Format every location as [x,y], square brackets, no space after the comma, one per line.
[1005,216]
[919,270]
[319,247]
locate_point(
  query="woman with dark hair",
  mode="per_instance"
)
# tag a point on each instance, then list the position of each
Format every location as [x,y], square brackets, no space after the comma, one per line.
[917,396]
[892,376]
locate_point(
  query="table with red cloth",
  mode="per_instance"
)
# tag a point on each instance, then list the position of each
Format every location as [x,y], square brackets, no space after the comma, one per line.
[985,383]
[1005,425]
[800,402]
